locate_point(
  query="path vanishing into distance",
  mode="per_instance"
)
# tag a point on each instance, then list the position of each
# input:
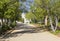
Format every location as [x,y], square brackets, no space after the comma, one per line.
[25,32]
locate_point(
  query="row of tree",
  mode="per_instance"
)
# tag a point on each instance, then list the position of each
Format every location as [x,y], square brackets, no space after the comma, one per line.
[9,12]
[46,10]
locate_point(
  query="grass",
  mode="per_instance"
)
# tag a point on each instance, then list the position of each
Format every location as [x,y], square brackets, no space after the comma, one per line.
[56,32]
[38,24]
[59,24]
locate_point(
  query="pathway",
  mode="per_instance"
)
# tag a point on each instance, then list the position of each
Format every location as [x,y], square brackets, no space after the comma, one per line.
[25,32]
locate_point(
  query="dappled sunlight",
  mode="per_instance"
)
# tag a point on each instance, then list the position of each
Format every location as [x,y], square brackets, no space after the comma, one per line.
[22,28]
[29,20]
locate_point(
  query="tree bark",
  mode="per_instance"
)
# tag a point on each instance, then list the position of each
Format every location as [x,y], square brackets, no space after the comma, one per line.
[2,22]
[51,23]
[46,20]
[53,28]
[56,21]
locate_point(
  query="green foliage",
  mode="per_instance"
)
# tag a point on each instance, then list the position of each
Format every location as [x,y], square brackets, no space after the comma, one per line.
[9,11]
[21,19]
[56,32]
[5,28]
[13,24]
[30,15]
[59,24]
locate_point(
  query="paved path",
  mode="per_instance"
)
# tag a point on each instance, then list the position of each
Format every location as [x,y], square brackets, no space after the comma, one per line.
[20,34]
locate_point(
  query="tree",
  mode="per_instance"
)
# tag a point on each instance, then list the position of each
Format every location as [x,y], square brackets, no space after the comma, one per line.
[48,5]
[9,12]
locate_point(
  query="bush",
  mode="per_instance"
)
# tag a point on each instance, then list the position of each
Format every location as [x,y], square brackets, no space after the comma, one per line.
[22,20]
[5,28]
[13,24]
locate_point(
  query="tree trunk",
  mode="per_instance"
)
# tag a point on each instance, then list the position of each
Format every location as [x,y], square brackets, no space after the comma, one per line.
[2,22]
[56,21]
[46,20]
[7,22]
[51,23]
[53,27]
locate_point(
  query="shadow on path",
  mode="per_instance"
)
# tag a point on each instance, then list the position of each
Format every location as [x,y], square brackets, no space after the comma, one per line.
[22,29]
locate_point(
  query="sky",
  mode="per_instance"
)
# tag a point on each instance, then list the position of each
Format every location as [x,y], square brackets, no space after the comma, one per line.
[26,4]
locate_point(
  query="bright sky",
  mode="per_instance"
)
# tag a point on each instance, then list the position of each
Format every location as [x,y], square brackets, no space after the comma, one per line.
[27,4]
